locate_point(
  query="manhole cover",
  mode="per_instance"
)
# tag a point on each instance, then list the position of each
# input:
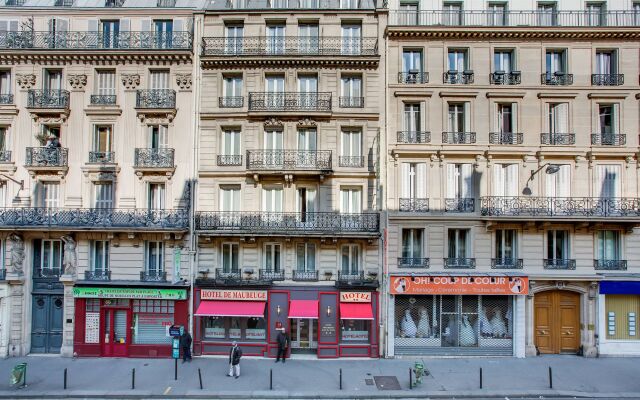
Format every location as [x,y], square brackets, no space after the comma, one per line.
[369,382]
[387,382]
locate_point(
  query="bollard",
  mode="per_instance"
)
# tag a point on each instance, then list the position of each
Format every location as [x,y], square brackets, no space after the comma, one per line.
[133,378]
[271,379]
[410,380]
[480,377]
[175,370]
[200,378]
[550,379]
[340,378]
[65,379]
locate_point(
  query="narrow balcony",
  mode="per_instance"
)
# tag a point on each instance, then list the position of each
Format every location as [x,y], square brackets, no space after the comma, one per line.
[114,3]
[505,78]
[413,77]
[356,279]
[351,102]
[55,157]
[153,276]
[154,158]
[289,160]
[6,98]
[458,78]
[558,139]
[271,275]
[5,156]
[290,101]
[156,99]
[578,207]
[226,274]
[556,79]
[458,137]
[610,265]
[414,205]
[48,99]
[459,205]
[97,275]
[459,263]
[47,273]
[414,137]
[506,138]
[231,102]
[103,99]
[305,276]
[14,3]
[607,79]
[559,263]
[63,3]
[102,157]
[410,262]
[506,263]
[289,46]
[351,161]
[229,160]
[608,139]
[293,5]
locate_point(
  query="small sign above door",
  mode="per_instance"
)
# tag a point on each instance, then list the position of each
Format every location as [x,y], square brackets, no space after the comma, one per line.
[355,297]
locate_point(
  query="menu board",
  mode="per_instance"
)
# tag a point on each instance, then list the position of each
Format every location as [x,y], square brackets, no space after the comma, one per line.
[92,328]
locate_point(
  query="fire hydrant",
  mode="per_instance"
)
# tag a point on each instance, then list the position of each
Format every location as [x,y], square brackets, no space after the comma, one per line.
[418,371]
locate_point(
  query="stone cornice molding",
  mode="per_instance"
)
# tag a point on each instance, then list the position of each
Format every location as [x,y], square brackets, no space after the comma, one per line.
[80,57]
[337,61]
[26,81]
[130,81]
[510,33]
[77,81]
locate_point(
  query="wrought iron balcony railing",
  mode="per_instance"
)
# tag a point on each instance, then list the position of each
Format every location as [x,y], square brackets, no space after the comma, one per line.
[294,4]
[38,98]
[461,205]
[154,158]
[410,262]
[102,157]
[528,206]
[47,157]
[563,139]
[462,263]
[14,3]
[559,263]
[289,46]
[505,78]
[47,273]
[506,137]
[283,160]
[97,275]
[226,274]
[95,40]
[284,222]
[103,99]
[153,276]
[608,139]
[5,156]
[414,205]
[231,102]
[166,3]
[271,275]
[114,3]
[608,79]
[351,161]
[457,77]
[458,137]
[225,160]
[351,102]
[414,137]
[610,265]
[63,3]
[290,101]
[156,98]
[99,218]
[556,79]
[305,276]
[413,77]
[351,276]
[506,263]
[6,98]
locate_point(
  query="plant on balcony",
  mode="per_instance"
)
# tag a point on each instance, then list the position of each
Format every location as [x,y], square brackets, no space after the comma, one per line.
[248,273]
[327,275]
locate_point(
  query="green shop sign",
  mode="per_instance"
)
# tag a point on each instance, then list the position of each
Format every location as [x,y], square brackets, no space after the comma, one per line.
[127,293]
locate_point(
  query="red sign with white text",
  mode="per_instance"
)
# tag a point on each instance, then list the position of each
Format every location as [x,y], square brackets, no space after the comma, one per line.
[479,285]
[249,295]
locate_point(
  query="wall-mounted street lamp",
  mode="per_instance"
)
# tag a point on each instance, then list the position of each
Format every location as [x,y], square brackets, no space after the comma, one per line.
[19,182]
[551,169]
[328,311]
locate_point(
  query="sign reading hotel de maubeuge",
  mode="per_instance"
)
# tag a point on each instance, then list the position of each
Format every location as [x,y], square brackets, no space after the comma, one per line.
[129,293]
[250,295]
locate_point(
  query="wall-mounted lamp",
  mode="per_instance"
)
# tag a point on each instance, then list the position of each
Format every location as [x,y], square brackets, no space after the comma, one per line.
[19,182]
[278,310]
[328,311]
[551,169]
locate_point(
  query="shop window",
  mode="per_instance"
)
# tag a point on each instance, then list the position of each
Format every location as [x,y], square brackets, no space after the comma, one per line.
[150,321]
[92,305]
[252,328]
[621,316]
[354,330]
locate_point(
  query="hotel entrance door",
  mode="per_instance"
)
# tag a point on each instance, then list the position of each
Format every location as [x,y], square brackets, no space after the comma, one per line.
[304,335]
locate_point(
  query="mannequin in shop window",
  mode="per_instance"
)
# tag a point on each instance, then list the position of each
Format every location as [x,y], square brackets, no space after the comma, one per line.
[467,333]
[408,325]
[498,325]
[424,329]
[486,329]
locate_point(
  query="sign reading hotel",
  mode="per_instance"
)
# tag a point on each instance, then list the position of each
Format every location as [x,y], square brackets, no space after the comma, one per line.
[249,295]
[355,297]
[479,285]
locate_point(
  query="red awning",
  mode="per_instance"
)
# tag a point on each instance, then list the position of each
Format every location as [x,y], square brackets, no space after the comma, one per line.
[303,309]
[355,311]
[217,308]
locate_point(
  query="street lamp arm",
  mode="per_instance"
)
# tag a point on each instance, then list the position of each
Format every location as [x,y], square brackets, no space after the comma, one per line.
[534,173]
[19,182]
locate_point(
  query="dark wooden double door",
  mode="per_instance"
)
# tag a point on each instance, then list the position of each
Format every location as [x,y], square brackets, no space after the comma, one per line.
[557,322]
[46,322]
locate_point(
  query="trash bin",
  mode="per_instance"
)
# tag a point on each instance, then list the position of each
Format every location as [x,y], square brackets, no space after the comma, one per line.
[19,374]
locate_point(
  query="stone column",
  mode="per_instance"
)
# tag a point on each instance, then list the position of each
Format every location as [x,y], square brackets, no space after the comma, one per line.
[16,310]
[530,347]
[68,320]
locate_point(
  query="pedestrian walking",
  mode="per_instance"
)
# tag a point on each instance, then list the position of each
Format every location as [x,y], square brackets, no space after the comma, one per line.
[185,343]
[283,344]
[234,360]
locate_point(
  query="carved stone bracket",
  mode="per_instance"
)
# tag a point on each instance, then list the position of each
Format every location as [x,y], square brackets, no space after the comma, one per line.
[77,81]
[26,81]
[49,118]
[306,123]
[153,118]
[183,81]
[273,123]
[130,81]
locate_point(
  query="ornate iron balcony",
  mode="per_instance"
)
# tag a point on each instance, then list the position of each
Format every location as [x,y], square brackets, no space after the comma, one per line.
[113,3]
[156,98]
[458,137]
[409,262]
[608,139]
[305,276]
[506,138]
[153,276]
[607,79]
[457,77]
[559,263]
[47,157]
[103,99]
[292,223]
[463,263]
[413,77]
[556,79]
[166,3]
[95,40]
[229,160]
[563,139]
[282,160]
[560,206]
[351,276]
[290,101]
[47,273]
[294,5]
[506,263]
[461,205]
[5,156]
[154,158]
[102,157]
[414,205]
[14,3]
[289,46]
[97,275]
[48,98]
[505,78]
[271,275]
[63,3]
[351,102]
[235,275]
[89,218]
[414,137]
[610,265]
[231,102]
[6,98]
[351,161]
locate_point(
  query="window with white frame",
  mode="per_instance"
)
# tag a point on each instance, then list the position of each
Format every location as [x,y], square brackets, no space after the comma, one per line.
[159,79]
[305,257]
[506,246]
[154,258]
[5,86]
[273,140]
[350,200]
[106,83]
[351,91]
[459,117]
[458,60]
[99,256]
[272,199]
[559,184]
[505,180]
[307,200]
[350,259]
[558,245]
[459,243]
[103,195]
[497,14]
[351,148]
[505,117]
[414,180]
[609,246]
[230,257]
[231,139]
[3,193]
[48,194]
[158,136]
[230,198]
[408,12]
[412,65]
[233,38]
[351,39]
[547,13]
[4,145]
[596,15]
[156,196]
[232,86]
[50,262]
[558,118]
[412,246]
[308,35]
[460,181]
[452,13]
[275,38]
[272,257]
[412,118]
[608,181]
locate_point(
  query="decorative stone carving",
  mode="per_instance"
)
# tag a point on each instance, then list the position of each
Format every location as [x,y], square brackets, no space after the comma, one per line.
[26,81]
[183,81]
[70,260]
[77,81]
[273,123]
[307,123]
[130,81]
[17,253]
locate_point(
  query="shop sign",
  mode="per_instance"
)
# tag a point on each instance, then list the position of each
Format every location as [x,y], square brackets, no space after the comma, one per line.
[355,335]
[215,333]
[128,293]
[255,333]
[249,295]
[328,330]
[478,285]
[355,297]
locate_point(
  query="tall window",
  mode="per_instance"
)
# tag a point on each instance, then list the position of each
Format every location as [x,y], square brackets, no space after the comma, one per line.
[229,198]
[5,84]
[452,13]
[154,258]
[351,91]
[352,143]
[506,245]
[272,199]
[103,195]
[305,257]
[608,181]
[556,62]
[4,145]
[350,259]
[52,79]
[156,196]
[412,117]
[505,180]
[350,200]
[158,136]
[460,181]
[274,86]
[275,39]
[272,258]
[233,39]
[230,257]
[547,13]
[109,31]
[596,14]
[163,33]
[408,13]
[307,201]
[497,14]
[503,60]
[412,63]
[307,141]
[459,120]
[309,38]
[233,86]
[558,118]
[412,244]
[48,194]
[351,39]
[231,139]
[458,60]
[106,87]
[459,243]
[606,62]
[159,79]
[50,260]
[609,246]
[558,245]
[559,184]
[608,118]
[102,136]
[414,180]
[99,256]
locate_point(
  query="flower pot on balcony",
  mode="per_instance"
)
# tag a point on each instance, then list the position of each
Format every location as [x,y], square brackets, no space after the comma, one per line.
[248,273]
[327,275]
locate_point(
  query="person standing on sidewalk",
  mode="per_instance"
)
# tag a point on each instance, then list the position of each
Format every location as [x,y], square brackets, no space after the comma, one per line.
[234,360]
[283,344]
[185,343]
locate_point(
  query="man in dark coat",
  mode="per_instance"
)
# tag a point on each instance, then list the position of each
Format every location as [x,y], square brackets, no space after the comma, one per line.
[234,360]
[185,343]
[283,343]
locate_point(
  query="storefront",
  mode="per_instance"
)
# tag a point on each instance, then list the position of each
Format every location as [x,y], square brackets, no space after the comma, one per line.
[322,321]
[127,322]
[618,312]
[457,315]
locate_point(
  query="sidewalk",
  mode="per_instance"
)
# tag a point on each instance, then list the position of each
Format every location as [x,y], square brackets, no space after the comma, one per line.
[315,379]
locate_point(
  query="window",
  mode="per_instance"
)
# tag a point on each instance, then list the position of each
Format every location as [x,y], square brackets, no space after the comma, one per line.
[351,91]
[5,86]
[102,136]
[156,196]
[150,321]
[348,4]
[3,197]
[460,181]
[497,14]
[412,243]
[230,257]
[274,85]
[272,259]
[351,200]
[412,118]
[351,39]
[242,328]
[609,246]
[309,38]
[52,79]
[547,14]
[354,330]
[414,180]
[505,180]
[350,259]
[48,194]
[232,86]
[559,184]
[608,118]
[452,13]
[636,13]
[608,181]
[352,146]
[506,246]
[233,39]
[229,198]
[622,312]
[557,245]
[272,200]
[306,257]
[408,13]
[105,88]
[99,256]
[163,33]
[159,79]
[306,201]
[556,63]
[606,62]
[109,32]
[412,65]
[503,61]
[506,118]
[48,258]
[275,39]
[231,139]
[558,118]
[154,258]
[596,14]
[307,141]
[459,243]
[458,120]
[158,136]
[458,60]
[4,145]
[103,195]
[308,89]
